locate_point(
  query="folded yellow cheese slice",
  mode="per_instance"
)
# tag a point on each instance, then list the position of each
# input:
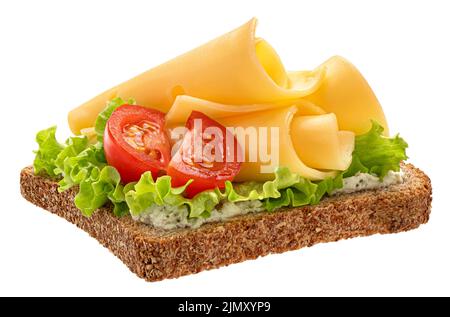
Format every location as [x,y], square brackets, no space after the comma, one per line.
[234,68]
[308,139]
[273,147]
[184,105]
[319,143]
[345,92]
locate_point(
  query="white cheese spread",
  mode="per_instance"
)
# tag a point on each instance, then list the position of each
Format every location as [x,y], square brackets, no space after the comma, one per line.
[362,181]
[168,217]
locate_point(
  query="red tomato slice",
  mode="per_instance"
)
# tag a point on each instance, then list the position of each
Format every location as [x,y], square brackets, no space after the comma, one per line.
[135,142]
[207,155]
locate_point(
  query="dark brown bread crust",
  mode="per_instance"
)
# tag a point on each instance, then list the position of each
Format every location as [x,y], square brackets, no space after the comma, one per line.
[155,254]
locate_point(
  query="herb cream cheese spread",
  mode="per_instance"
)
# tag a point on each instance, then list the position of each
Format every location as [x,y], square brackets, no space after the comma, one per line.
[169,217]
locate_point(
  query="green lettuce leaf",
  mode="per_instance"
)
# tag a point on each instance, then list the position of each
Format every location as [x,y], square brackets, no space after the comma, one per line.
[49,149]
[76,162]
[147,192]
[304,192]
[102,118]
[100,187]
[98,182]
[355,167]
[377,154]
[287,189]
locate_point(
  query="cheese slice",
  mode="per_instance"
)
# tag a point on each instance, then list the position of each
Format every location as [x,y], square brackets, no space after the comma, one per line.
[283,153]
[322,142]
[271,62]
[319,143]
[184,105]
[345,92]
[234,68]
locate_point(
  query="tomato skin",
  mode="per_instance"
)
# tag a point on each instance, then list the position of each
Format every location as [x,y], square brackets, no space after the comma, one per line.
[198,185]
[130,162]
[213,176]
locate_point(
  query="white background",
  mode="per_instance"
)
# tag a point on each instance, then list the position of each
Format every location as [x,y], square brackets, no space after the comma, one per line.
[57,54]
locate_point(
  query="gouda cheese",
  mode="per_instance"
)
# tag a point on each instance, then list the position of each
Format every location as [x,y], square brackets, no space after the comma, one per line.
[184,105]
[320,144]
[346,93]
[234,68]
[281,151]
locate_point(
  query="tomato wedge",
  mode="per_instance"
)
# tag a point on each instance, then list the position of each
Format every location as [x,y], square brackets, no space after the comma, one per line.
[208,155]
[135,142]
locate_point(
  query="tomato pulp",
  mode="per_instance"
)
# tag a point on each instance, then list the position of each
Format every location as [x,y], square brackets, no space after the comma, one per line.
[135,142]
[208,155]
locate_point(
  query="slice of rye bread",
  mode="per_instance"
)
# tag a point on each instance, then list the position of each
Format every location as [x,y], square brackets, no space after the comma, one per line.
[156,254]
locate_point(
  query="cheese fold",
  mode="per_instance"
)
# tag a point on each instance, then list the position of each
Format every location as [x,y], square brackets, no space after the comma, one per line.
[346,93]
[234,68]
[319,143]
[184,105]
[279,153]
